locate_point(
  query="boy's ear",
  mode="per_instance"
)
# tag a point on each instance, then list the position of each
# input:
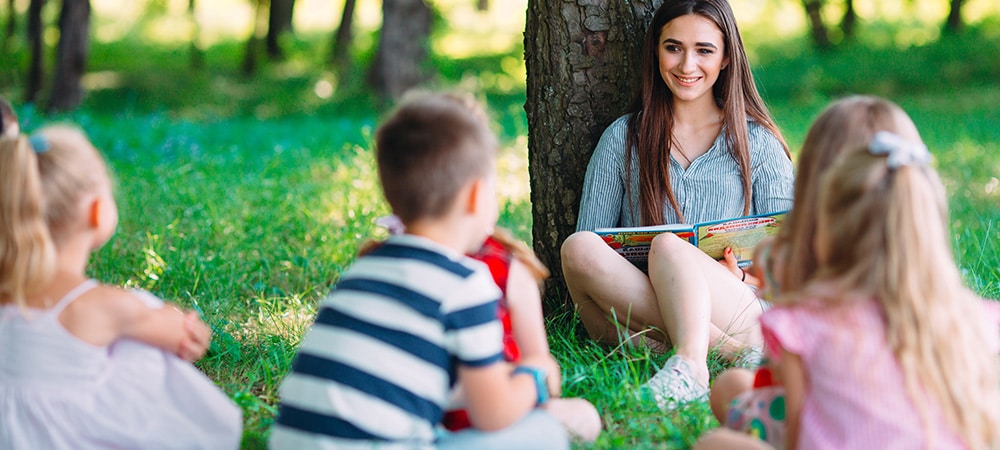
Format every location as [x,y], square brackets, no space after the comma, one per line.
[472,191]
[94,213]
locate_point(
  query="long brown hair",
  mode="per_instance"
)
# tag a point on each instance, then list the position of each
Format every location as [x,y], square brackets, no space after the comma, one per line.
[650,125]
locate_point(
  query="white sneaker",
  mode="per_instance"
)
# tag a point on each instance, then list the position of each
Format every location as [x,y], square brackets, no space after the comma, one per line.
[750,358]
[675,385]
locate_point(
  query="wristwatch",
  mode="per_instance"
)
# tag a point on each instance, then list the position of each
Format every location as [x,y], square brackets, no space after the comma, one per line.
[541,384]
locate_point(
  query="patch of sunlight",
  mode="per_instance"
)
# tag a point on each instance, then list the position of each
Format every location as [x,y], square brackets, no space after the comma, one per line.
[768,19]
[993,186]
[286,317]
[473,32]
[51,36]
[512,171]
[324,88]
[915,35]
[95,81]
[976,10]
[293,68]
[170,29]
[324,15]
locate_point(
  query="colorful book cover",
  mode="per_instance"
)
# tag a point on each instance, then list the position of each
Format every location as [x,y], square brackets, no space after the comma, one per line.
[742,234]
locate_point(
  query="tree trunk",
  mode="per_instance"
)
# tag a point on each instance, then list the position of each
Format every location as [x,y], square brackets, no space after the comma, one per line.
[582,62]
[279,21]
[849,20]
[253,44]
[342,39]
[195,54]
[11,28]
[402,47]
[816,26]
[954,23]
[36,64]
[71,55]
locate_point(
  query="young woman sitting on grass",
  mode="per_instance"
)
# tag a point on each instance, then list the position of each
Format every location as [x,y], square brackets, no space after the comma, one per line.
[697,145]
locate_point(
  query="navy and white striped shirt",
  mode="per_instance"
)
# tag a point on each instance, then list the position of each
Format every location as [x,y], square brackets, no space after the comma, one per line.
[377,364]
[709,189]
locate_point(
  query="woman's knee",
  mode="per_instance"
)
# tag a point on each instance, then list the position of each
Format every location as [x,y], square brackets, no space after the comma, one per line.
[579,252]
[667,247]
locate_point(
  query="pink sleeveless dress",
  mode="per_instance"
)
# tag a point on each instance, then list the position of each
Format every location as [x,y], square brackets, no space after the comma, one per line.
[58,392]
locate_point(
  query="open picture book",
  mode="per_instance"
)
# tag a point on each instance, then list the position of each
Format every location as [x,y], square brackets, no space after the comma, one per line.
[741,233]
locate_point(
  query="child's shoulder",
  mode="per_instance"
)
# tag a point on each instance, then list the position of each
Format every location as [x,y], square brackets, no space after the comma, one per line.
[112,301]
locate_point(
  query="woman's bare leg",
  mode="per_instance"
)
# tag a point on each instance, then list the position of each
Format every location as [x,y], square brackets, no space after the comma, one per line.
[701,303]
[689,296]
[607,289]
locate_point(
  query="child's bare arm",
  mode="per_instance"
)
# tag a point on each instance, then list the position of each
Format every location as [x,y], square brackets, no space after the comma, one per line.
[166,327]
[496,398]
[525,304]
[793,377]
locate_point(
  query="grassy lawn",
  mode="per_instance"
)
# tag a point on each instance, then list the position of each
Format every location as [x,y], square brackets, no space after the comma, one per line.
[245,198]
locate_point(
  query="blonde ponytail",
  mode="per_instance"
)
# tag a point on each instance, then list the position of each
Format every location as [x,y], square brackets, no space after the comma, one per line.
[27,253]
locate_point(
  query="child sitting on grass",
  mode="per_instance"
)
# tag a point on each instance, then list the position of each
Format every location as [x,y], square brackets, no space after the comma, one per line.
[881,345]
[415,315]
[86,365]
[518,273]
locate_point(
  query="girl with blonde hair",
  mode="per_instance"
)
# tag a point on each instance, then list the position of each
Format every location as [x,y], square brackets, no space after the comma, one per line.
[882,345]
[86,365]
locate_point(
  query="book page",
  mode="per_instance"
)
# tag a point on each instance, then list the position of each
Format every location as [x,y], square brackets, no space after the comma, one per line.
[742,235]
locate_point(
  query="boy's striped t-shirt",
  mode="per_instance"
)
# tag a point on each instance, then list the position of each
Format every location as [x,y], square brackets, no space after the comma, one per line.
[377,365]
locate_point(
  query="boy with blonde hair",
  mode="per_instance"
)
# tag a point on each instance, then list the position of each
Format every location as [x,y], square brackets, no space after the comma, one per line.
[415,315]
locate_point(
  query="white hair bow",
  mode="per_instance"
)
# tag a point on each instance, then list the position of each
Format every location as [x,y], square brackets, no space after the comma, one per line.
[901,152]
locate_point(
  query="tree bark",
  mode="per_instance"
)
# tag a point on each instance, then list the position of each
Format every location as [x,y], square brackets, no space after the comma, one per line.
[279,21]
[36,65]
[253,43]
[71,55]
[816,26]
[402,47]
[11,28]
[954,23]
[339,53]
[849,20]
[196,55]
[583,61]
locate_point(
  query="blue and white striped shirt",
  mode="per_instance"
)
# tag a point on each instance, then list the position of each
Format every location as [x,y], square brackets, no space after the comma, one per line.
[709,189]
[377,364]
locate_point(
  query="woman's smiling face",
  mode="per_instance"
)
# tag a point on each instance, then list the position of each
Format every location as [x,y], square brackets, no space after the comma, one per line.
[691,54]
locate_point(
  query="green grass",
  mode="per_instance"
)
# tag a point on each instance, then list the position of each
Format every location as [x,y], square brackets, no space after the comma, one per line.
[245,198]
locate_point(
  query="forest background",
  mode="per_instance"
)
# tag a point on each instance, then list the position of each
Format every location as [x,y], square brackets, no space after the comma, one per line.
[244,193]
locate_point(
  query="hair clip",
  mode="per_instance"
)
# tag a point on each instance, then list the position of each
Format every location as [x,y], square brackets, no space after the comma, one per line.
[900,152]
[38,143]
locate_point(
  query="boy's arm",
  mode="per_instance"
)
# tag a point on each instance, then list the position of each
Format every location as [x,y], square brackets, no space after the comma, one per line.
[496,398]
[525,304]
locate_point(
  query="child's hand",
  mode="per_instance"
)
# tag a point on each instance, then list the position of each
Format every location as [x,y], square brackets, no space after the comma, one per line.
[197,336]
